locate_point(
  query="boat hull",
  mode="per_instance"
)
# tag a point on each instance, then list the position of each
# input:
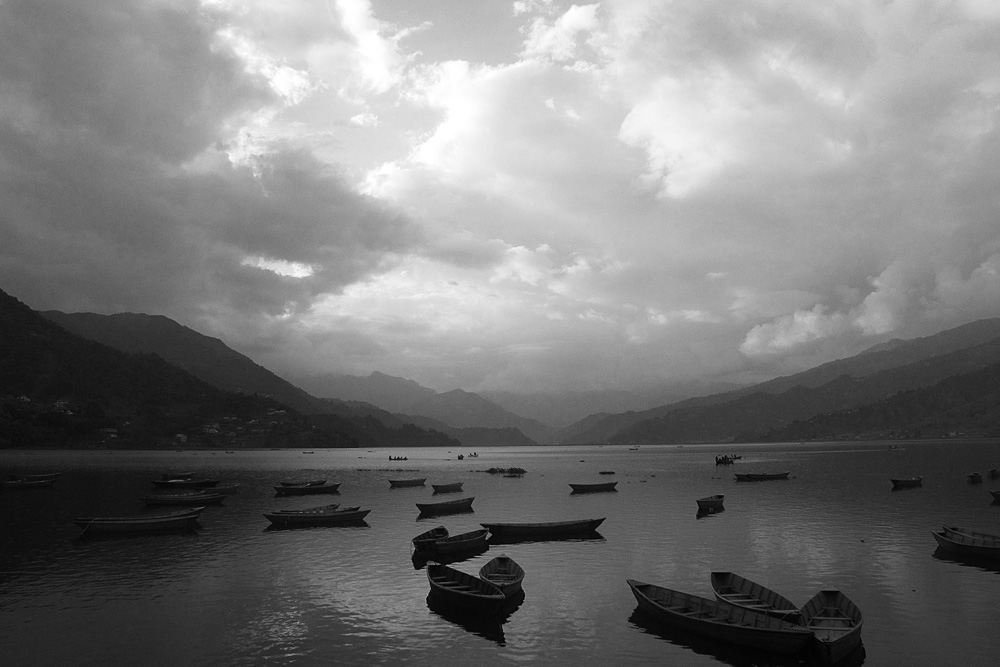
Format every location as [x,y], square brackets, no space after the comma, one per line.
[760,476]
[306,489]
[330,518]
[593,488]
[710,503]
[449,507]
[741,592]
[720,621]
[184,519]
[836,624]
[174,499]
[543,530]
[459,589]
[447,488]
[405,483]
[968,546]
[504,573]
[907,482]
[473,540]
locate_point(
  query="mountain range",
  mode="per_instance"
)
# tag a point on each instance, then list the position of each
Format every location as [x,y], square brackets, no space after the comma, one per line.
[951,376]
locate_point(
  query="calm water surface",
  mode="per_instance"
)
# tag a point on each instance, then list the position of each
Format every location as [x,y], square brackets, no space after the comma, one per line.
[237,593]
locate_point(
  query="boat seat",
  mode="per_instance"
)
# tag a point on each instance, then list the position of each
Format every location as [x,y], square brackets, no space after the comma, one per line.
[832,618]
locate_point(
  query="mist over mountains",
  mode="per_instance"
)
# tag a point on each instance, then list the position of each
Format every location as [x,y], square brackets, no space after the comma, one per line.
[936,386]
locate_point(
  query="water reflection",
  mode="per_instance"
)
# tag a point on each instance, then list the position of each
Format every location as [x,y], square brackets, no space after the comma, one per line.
[488,627]
[738,656]
[978,563]
[701,514]
[514,539]
[274,528]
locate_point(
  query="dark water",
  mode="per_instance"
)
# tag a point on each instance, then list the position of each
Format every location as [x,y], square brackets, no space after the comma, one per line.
[237,594]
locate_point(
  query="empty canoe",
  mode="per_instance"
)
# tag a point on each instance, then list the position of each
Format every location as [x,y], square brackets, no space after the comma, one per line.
[447,507]
[402,483]
[760,476]
[835,623]
[543,530]
[425,541]
[710,503]
[454,487]
[464,590]
[140,523]
[503,572]
[742,592]
[593,488]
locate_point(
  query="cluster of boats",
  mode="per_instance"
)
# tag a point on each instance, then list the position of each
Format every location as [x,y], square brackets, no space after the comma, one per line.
[748,614]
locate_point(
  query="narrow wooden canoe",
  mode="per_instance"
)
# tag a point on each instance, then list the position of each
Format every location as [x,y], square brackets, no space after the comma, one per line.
[305,482]
[760,476]
[306,489]
[140,523]
[447,507]
[474,540]
[27,483]
[425,540]
[35,477]
[593,488]
[184,482]
[835,623]
[720,621]
[454,487]
[402,483]
[318,517]
[968,546]
[906,482]
[504,573]
[188,498]
[464,590]
[742,592]
[711,503]
[543,530]
[951,531]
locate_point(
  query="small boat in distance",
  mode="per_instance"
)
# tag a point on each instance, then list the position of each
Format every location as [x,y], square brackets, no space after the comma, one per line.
[975,478]
[760,476]
[710,503]
[503,572]
[453,487]
[306,489]
[36,477]
[425,540]
[464,590]
[996,495]
[718,620]
[27,483]
[835,623]
[403,483]
[317,516]
[906,482]
[593,488]
[550,529]
[184,482]
[310,482]
[742,592]
[140,523]
[188,498]
[447,507]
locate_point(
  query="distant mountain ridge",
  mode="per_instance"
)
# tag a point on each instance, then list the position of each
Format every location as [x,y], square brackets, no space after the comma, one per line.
[874,375]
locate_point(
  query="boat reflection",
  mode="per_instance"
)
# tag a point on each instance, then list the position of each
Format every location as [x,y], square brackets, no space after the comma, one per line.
[958,559]
[420,558]
[588,537]
[731,654]
[273,528]
[487,627]
[434,515]
[701,514]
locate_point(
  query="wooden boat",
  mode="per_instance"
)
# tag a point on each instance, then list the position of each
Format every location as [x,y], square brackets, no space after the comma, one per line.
[906,482]
[306,489]
[719,620]
[593,488]
[184,482]
[969,546]
[425,541]
[140,523]
[994,473]
[447,507]
[543,530]
[760,476]
[317,516]
[724,460]
[313,482]
[959,530]
[742,592]
[447,488]
[474,540]
[402,483]
[975,478]
[835,623]
[711,503]
[189,498]
[464,590]
[45,476]
[504,573]
[27,483]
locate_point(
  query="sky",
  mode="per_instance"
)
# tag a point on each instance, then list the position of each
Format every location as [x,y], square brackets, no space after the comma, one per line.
[527,196]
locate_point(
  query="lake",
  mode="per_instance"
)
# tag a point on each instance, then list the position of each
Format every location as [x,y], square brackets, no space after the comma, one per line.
[238,593]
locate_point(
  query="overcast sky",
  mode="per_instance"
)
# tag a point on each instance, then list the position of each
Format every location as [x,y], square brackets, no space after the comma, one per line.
[521,195]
